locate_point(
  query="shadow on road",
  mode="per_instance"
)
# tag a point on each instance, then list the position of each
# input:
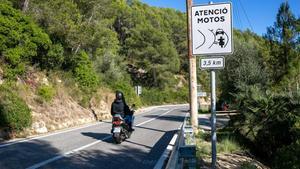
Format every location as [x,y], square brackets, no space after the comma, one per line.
[130,154]
[184,111]
[25,154]
[147,128]
[167,117]
[136,143]
[97,136]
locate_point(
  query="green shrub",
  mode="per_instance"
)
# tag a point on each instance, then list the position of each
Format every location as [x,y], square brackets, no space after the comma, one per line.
[228,145]
[14,112]
[86,77]
[268,120]
[152,96]
[21,40]
[157,96]
[54,57]
[13,56]
[248,165]
[46,92]
[288,157]
[11,72]
[129,93]
[203,144]
[84,73]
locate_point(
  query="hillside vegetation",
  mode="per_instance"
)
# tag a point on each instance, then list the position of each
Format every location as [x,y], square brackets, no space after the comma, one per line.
[261,80]
[82,47]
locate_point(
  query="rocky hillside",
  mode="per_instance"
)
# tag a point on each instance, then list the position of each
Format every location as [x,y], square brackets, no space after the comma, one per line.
[61,110]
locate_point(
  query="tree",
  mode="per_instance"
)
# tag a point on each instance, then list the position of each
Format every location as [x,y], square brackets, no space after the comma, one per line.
[282,39]
[22,41]
[245,67]
[150,50]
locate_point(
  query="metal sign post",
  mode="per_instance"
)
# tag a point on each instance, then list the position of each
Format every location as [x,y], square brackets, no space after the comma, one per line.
[212,35]
[213,120]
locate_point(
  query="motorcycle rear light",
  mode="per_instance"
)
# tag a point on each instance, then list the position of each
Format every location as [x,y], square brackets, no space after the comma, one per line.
[116,122]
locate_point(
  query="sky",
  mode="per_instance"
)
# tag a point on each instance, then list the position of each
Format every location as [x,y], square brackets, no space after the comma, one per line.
[260,13]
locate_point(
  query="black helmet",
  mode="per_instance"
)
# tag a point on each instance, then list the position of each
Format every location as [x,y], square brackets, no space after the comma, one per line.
[119,95]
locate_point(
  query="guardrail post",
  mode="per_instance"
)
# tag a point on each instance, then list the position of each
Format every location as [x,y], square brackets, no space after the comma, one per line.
[188,150]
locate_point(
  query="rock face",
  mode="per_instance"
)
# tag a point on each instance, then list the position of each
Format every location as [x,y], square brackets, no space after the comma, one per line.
[101,108]
[39,127]
[62,111]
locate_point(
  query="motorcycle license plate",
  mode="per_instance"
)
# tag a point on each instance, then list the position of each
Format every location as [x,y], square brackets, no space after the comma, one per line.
[117,129]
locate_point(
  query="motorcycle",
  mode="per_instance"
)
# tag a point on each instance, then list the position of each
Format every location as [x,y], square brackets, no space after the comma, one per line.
[120,127]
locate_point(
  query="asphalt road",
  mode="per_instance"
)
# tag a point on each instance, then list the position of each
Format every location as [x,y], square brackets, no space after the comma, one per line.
[92,146]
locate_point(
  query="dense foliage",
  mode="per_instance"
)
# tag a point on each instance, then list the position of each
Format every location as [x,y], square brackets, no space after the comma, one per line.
[99,41]
[261,80]
[14,112]
[94,43]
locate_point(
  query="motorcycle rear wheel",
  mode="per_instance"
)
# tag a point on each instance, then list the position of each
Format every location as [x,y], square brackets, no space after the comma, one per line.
[117,138]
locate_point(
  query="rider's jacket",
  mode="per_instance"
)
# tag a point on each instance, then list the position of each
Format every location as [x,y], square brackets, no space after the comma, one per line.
[119,107]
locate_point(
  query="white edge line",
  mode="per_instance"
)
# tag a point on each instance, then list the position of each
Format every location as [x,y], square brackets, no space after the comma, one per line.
[68,130]
[166,153]
[69,153]
[48,135]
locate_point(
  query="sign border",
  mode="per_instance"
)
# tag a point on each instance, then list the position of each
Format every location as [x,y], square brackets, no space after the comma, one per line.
[212,68]
[232,45]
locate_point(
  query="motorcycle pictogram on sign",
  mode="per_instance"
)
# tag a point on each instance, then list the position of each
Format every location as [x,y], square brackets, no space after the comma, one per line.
[220,38]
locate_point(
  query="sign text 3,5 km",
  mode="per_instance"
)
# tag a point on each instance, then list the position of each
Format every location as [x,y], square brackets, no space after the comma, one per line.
[212,29]
[216,62]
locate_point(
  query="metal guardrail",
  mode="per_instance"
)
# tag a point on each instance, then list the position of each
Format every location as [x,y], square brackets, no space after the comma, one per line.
[184,150]
[174,162]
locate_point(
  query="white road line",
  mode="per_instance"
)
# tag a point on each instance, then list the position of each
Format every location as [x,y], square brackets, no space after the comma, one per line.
[48,135]
[154,118]
[64,131]
[70,153]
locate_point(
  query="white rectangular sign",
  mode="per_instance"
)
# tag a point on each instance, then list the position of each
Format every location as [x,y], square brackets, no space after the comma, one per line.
[138,90]
[201,94]
[212,63]
[212,29]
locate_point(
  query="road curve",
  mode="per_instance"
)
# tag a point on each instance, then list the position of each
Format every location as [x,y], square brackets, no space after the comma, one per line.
[92,147]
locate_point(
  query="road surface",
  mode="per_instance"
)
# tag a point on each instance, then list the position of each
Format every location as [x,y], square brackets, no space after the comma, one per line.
[204,121]
[91,146]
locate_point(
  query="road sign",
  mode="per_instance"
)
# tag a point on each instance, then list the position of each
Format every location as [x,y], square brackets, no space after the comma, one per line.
[212,29]
[138,90]
[212,63]
[201,94]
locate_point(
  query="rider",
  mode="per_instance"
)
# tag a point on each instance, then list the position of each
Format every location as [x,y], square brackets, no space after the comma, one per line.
[119,106]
